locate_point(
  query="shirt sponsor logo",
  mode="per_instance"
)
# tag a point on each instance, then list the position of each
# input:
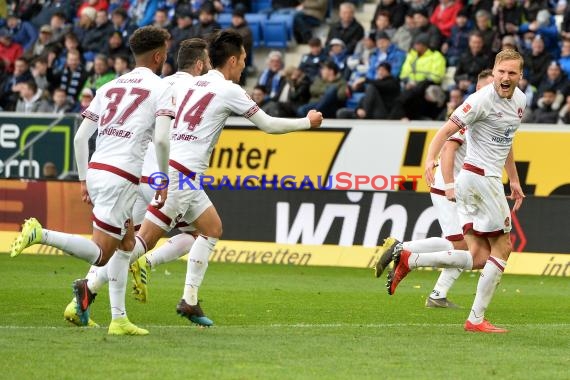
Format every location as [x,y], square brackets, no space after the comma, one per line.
[466,108]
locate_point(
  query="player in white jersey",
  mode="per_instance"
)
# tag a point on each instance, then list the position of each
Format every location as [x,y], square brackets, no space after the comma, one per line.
[443,199]
[493,115]
[203,108]
[125,112]
[189,66]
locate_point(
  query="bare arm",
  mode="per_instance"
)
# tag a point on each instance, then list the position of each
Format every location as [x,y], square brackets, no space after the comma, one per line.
[447,161]
[81,145]
[448,129]
[516,190]
[278,125]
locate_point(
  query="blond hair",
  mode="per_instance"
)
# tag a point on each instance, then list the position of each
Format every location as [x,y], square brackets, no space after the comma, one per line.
[509,55]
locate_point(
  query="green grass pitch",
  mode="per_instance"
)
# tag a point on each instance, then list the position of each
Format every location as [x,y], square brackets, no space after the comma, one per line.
[280,322]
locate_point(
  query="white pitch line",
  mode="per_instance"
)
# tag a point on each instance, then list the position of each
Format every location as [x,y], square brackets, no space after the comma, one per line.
[303,325]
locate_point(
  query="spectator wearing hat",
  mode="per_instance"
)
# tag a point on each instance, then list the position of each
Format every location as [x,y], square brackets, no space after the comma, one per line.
[84,25]
[99,5]
[385,52]
[328,92]
[458,41]
[423,26]
[383,24]
[311,13]
[471,63]
[271,77]
[23,32]
[43,40]
[142,12]
[9,50]
[96,38]
[31,98]
[182,30]
[338,53]
[311,62]
[347,28]
[444,16]
[122,24]
[404,34]
[508,16]
[378,98]
[207,23]
[240,25]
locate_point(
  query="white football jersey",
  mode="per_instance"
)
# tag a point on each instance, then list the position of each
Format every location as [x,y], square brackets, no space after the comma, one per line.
[203,107]
[458,137]
[492,122]
[125,110]
[150,165]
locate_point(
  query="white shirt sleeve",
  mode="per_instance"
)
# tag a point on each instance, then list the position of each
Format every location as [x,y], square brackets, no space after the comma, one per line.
[278,125]
[471,110]
[166,103]
[81,144]
[162,141]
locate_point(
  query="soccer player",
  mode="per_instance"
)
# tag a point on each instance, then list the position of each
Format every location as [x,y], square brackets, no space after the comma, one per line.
[493,114]
[443,199]
[125,112]
[204,104]
[193,60]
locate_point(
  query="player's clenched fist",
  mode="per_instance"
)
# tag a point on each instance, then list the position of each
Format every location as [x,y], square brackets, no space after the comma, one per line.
[315,117]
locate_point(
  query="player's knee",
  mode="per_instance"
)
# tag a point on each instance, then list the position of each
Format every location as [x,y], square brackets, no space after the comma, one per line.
[103,260]
[479,262]
[214,231]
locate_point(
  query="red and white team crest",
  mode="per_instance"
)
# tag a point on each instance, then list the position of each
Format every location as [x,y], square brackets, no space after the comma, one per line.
[466,108]
[520,110]
[462,131]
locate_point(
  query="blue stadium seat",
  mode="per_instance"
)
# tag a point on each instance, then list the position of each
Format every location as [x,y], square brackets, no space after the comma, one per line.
[260,5]
[255,22]
[225,20]
[354,99]
[275,34]
[287,18]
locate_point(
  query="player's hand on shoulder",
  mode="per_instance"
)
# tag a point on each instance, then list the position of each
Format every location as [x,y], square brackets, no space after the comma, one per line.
[315,117]
[85,194]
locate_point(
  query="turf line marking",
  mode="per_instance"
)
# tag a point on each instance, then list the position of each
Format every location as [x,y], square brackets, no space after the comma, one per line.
[301,325]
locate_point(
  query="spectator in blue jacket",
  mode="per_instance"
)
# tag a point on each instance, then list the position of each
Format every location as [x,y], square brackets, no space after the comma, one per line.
[545,27]
[311,62]
[386,52]
[23,32]
[458,42]
[142,12]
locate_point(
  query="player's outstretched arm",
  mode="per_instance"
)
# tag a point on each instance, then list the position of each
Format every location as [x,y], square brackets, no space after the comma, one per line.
[447,161]
[81,145]
[516,190]
[162,147]
[445,132]
[278,125]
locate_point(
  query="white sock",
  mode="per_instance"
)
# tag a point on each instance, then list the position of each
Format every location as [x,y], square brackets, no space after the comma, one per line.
[432,244]
[117,270]
[453,258]
[177,246]
[97,277]
[196,267]
[490,278]
[446,279]
[73,245]
[139,250]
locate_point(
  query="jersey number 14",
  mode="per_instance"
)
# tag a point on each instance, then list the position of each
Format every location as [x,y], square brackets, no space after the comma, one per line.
[193,116]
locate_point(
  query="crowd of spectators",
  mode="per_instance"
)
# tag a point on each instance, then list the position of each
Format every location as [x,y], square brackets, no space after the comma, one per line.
[415,60]
[419,60]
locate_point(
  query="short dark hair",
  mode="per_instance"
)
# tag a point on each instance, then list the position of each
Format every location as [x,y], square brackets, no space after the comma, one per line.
[31,83]
[147,39]
[485,74]
[120,12]
[260,88]
[223,45]
[386,65]
[191,51]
